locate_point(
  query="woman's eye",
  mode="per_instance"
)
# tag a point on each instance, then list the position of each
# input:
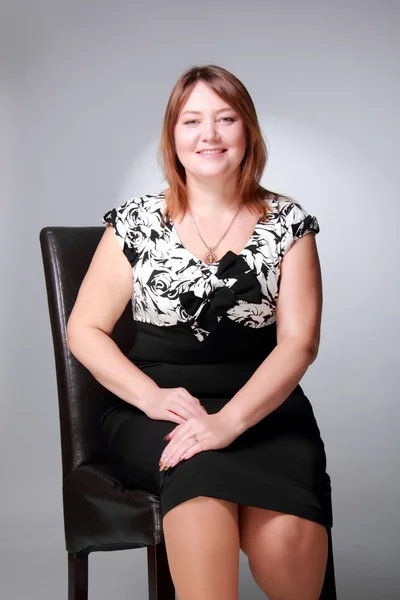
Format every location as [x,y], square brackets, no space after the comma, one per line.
[223,118]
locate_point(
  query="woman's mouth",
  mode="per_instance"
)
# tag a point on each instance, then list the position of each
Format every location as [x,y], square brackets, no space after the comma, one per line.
[212,153]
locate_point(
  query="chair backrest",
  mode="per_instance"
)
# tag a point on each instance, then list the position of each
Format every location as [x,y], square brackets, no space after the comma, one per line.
[67,253]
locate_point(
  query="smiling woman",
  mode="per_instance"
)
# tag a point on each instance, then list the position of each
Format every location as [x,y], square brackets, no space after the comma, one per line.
[209,413]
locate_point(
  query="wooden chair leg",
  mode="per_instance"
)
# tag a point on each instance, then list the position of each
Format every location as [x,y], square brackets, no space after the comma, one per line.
[329,588]
[77,577]
[161,586]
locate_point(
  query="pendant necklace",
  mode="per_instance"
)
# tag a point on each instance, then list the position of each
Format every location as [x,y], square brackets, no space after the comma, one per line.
[210,256]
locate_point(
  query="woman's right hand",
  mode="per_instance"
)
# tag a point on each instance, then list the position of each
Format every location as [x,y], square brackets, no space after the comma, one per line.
[173,404]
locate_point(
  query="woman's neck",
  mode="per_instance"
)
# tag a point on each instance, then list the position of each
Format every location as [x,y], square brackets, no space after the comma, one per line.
[207,202]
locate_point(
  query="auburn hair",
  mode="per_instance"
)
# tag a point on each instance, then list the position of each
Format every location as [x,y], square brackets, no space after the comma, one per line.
[232,90]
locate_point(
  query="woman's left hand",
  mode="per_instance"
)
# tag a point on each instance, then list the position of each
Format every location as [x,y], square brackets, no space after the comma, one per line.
[212,432]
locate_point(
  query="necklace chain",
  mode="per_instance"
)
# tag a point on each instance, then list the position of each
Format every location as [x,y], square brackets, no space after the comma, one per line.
[210,256]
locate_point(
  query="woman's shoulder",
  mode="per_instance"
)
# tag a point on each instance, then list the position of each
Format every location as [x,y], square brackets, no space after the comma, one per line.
[136,210]
[143,203]
[281,210]
[290,220]
[288,211]
[296,222]
[284,205]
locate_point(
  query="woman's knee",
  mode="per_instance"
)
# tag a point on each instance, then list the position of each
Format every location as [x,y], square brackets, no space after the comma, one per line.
[267,531]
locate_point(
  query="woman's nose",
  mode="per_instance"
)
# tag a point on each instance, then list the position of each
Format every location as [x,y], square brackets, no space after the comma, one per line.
[210,131]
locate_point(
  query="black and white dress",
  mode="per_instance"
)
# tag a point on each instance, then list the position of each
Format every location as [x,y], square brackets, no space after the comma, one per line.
[207,328]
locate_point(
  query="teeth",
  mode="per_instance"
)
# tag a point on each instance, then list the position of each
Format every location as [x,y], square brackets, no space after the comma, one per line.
[211,151]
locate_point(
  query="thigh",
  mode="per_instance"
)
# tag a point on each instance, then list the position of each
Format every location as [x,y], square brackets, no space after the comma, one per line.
[136,443]
[262,530]
[287,554]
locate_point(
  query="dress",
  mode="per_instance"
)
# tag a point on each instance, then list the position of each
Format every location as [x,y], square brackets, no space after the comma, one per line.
[207,328]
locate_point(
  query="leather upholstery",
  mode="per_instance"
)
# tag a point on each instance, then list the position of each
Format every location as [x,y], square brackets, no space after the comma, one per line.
[99,514]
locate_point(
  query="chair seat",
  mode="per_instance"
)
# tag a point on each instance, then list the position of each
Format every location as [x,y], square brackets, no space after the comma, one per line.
[100,514]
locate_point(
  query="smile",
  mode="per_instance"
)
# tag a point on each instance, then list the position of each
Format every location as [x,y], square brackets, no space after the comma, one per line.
[208,153]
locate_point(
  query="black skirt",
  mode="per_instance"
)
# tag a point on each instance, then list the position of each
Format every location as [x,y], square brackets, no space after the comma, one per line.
[277,464]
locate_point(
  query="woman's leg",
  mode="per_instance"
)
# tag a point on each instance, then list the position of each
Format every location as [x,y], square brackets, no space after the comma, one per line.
[202,543]
[287,554]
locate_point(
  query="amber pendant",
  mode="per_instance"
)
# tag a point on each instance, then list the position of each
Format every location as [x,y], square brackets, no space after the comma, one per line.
[210,258]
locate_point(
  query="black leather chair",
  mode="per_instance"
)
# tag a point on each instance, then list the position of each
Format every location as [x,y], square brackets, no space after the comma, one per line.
[99,513]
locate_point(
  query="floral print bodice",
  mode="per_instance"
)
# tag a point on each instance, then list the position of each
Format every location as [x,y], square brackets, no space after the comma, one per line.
[171,285]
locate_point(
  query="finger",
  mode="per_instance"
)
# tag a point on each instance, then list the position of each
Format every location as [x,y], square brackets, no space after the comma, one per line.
[171,416]
[192,410]
[171,437]
[188,454]
[174,454]
[201,446]
[184,408]
[197,409]
[198,404]
[190,451]
[193,401]
[171,434]
[175,447]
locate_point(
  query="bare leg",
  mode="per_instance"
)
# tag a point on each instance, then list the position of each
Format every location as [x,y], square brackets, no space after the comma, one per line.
[287,554]
[202,543]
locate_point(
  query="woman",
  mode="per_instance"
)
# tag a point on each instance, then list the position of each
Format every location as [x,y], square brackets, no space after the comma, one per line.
[226,295]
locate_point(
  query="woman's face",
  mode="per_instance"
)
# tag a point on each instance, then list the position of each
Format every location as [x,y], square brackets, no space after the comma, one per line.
[214,126]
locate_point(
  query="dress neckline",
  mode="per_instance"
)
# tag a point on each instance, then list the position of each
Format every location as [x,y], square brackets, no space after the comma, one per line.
[215,264]
[178,243]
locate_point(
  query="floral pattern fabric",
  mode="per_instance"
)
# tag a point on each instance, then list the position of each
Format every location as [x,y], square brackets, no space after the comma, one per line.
[171,285]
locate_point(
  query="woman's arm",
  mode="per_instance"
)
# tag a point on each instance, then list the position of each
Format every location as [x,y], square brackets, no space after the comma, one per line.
[102,298]
[298,320]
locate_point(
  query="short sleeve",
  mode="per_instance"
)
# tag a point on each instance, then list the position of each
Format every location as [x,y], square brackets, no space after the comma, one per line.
[124,221]
[296,222]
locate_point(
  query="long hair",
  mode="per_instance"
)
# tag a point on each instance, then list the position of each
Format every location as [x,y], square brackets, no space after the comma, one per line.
[230,89]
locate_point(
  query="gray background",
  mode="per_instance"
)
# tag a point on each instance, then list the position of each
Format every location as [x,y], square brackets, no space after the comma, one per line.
[84,85]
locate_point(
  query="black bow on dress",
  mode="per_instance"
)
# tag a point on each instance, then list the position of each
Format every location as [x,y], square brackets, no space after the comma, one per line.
[219,301]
